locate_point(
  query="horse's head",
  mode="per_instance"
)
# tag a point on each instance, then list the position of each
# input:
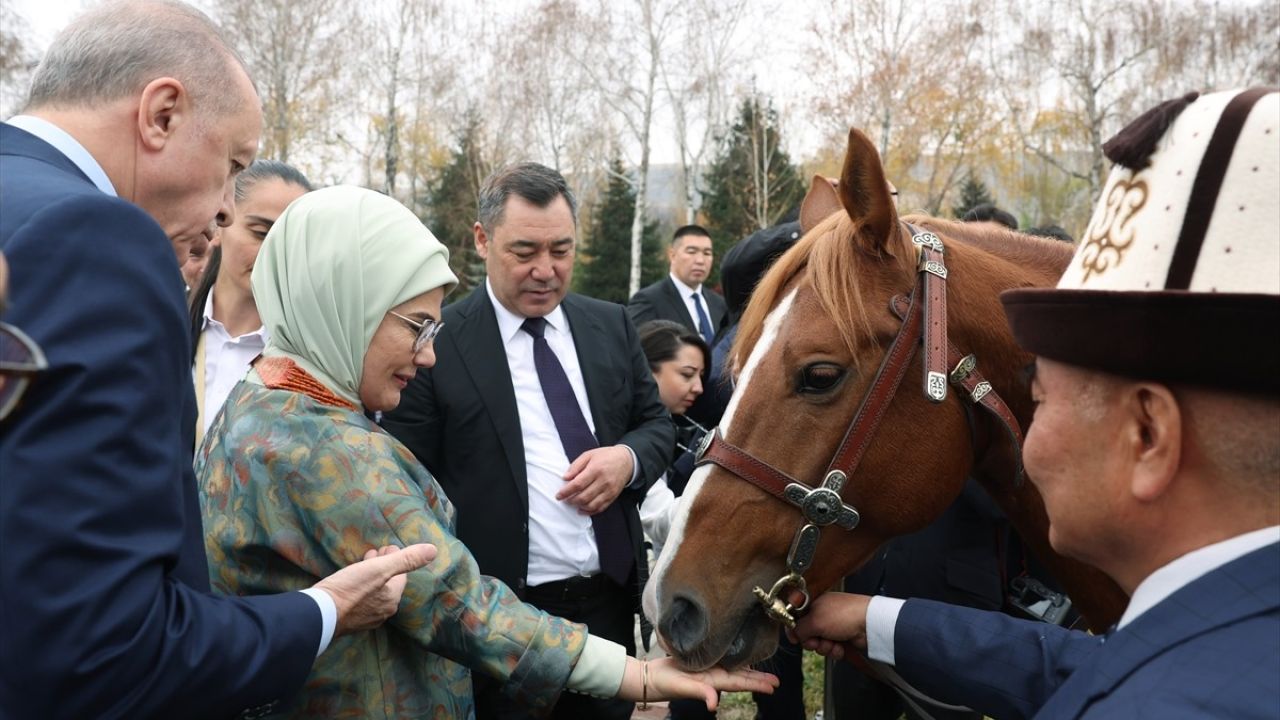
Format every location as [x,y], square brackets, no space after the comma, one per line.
[815,334]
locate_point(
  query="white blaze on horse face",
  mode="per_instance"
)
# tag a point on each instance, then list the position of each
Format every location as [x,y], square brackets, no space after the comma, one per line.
[772,326]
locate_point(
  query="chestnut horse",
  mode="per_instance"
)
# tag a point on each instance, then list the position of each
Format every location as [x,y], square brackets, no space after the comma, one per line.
[817,328]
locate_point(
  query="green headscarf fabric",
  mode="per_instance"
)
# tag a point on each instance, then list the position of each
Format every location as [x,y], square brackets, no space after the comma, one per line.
[335,262]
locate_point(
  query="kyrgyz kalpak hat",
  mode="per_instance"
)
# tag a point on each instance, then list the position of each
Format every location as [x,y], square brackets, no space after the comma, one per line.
[1177,278]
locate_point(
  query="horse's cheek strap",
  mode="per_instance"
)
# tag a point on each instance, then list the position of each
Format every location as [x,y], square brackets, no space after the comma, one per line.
[978,391]
[883,387]
[934,278]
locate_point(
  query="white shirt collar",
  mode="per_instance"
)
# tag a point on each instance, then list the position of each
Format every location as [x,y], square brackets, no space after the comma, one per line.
[1181,572]
[509,323]
[210,321]
[208,311]
[684,290]
[62,141]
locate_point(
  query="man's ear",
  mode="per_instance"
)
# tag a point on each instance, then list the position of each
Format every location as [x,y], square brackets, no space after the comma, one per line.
[482,241]
[162,107]
[1154,434]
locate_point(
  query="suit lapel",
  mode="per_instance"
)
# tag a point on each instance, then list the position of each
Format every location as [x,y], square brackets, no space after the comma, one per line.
[675,304]
[1246,586]
[482,353]
[593,359]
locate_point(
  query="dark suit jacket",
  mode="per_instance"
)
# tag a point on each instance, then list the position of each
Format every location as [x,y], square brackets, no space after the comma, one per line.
[1208,650]
[661,301]
[955,559]
[460,419]
[104,604]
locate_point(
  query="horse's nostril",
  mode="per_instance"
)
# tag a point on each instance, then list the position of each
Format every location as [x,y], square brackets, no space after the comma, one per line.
[684,625]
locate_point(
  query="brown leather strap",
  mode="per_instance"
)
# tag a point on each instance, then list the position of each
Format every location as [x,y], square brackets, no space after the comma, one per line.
[883,387]
[740,463]
[978,390]
[932,271]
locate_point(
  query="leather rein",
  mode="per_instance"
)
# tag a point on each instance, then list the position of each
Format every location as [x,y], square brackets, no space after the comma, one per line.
[924,317]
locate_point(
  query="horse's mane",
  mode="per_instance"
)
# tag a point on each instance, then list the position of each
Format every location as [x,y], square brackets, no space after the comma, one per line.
[1041,255]
[832,257]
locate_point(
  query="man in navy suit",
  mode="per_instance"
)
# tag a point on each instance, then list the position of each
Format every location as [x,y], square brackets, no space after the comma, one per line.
[1154,445]
[138,119]
[542,422]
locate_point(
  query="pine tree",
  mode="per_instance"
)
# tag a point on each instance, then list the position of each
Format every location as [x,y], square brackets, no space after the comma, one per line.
[604,262]
[451,205]
[973,192]
[752,182]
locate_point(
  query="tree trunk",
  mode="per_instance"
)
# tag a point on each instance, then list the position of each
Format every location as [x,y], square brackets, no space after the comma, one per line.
[642,176]
[392,150]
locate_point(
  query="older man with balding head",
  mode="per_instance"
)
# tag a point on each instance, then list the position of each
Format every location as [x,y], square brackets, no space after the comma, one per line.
[138,119]
[1155,444]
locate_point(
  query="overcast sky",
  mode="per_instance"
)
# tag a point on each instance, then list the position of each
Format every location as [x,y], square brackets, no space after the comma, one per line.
[775,75]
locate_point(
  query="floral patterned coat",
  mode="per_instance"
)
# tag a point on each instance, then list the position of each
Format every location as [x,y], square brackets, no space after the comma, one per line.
[292,490]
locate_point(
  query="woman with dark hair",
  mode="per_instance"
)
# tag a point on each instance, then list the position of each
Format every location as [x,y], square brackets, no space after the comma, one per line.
[226,330]
[678,358]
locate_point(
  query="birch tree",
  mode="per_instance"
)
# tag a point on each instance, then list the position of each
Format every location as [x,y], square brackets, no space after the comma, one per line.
[297,50]
[697,79]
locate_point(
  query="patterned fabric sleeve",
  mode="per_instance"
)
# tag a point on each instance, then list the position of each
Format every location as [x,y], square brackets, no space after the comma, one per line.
[316,487]
[360,487]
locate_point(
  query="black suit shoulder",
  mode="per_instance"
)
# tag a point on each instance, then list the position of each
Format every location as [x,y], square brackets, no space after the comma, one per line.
[658,301]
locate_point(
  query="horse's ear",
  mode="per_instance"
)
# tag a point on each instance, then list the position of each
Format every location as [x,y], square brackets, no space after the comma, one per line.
[864,192]
[819,203]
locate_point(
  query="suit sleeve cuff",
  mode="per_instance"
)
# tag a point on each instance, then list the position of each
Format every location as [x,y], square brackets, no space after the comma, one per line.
[882,619]
[328,616]
[599,670]
[635,469]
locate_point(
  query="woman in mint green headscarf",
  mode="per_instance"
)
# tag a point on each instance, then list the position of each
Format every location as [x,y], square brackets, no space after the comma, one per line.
[296,482]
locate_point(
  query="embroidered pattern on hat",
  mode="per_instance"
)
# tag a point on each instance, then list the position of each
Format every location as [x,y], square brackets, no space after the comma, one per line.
[1107,240]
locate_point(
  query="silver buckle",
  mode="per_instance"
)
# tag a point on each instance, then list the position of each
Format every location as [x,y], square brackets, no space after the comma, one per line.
[932,266]
[704,444]
[967,365]
[929,240]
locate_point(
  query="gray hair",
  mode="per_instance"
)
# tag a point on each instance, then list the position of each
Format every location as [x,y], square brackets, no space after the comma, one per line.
[113,50]
[538,184]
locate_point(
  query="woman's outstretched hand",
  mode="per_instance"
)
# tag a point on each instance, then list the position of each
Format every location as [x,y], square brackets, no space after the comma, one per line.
[666,681]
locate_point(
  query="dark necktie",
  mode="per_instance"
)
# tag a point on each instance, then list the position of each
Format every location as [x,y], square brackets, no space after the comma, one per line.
[704,323]
[610,525]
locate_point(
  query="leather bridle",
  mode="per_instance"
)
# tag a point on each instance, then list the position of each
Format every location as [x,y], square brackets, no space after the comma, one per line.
[924,317]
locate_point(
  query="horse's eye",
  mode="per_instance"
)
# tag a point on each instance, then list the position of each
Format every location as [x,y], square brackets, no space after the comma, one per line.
[820,377]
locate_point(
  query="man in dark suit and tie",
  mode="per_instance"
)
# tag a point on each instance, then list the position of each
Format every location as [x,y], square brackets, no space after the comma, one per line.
[542,422]
[138,119]
[681,297]
[1154,445]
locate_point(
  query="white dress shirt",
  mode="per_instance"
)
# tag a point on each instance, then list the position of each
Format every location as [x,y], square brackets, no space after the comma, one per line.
[226,360]
[686,294]
[656,511]
[68,146]
[561,541]
[882,612]
[77,154]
